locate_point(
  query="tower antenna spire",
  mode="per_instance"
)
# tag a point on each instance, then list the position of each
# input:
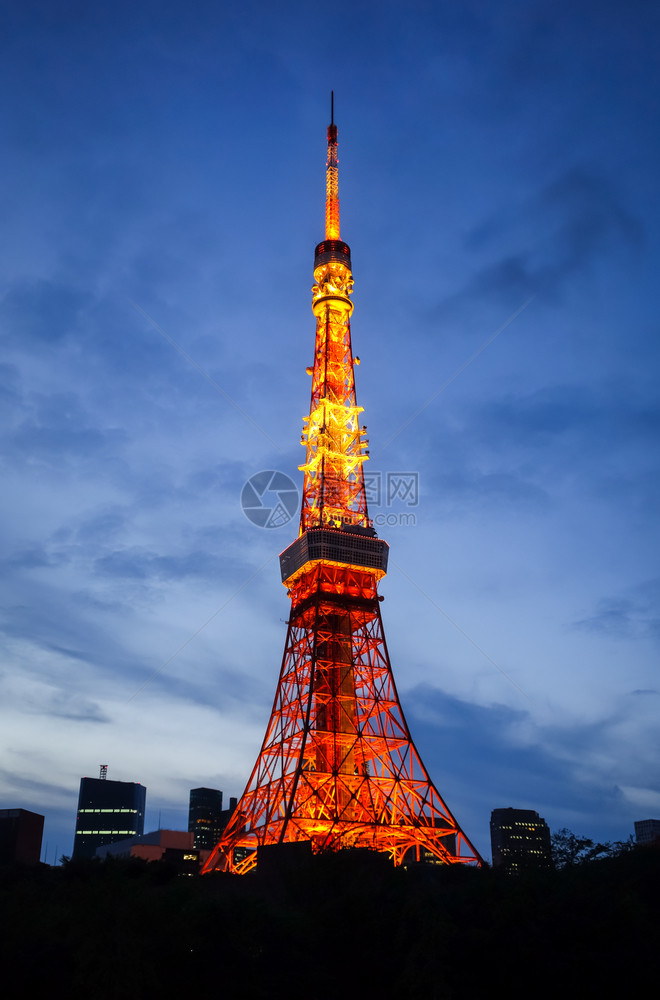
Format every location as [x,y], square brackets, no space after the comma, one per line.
[332,179]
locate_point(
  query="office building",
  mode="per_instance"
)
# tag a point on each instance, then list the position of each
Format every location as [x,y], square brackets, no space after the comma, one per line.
[519,839]
[206,817]
[647,831]
[107,811]
[21,832]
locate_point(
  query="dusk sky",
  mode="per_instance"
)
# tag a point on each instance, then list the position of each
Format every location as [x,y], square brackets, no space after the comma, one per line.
[162,194]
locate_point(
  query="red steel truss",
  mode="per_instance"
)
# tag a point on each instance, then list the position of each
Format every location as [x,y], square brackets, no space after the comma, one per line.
[338,766]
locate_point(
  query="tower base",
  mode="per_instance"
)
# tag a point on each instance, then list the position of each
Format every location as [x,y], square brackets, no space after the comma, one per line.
[338,767]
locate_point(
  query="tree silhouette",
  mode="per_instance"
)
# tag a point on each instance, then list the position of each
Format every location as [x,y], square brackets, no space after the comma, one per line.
[569,849]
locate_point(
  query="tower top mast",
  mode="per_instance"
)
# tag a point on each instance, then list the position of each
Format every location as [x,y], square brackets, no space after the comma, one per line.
[332,179]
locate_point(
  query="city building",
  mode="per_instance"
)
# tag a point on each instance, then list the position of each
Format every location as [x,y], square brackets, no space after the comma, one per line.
[206,817]
[519,839]
[647,831]
[108,811]
[21,832]
[174,846]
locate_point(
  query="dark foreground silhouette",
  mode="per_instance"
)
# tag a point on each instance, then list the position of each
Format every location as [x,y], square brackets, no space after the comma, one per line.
[336,926]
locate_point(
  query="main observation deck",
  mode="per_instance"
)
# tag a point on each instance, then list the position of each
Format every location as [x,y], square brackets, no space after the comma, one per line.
[349,546]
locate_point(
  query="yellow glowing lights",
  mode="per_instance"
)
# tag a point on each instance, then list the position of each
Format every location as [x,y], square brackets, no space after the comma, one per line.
[332,188]
[334,284]
[336,446]
[335,453]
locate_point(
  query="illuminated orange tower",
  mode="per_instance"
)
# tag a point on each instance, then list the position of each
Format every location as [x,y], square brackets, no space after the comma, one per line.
[337,766]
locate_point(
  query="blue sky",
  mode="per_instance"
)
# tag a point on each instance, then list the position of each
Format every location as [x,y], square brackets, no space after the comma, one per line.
[162,195]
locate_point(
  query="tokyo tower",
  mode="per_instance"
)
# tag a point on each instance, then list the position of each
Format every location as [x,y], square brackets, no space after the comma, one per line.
[338,766]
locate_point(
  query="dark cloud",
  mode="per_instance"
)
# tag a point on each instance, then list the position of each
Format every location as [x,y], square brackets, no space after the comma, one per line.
[522,449]
[45,630]
[553,42]
[41,791]
[550,412]
[478,745]
[106,523]
[218,479]
[56,623]
[140,564]
[40,311]
[494,756]
[225,689]
[614,616]
[561,232]
[635,615]
[66,706]
[588,213]
[34,557]
[89,599]
[66,651]
[609,412]
[471,487]
[57,428]
[9,384]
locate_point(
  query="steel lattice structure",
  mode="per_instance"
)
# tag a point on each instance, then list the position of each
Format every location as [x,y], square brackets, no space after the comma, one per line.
[338,766]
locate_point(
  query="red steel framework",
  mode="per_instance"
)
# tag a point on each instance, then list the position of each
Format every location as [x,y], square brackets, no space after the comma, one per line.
[338,766]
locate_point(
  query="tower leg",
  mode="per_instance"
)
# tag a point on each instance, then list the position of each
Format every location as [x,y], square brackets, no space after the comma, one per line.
[338,766]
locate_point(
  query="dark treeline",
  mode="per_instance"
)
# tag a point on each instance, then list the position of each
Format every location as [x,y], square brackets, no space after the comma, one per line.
[341,926]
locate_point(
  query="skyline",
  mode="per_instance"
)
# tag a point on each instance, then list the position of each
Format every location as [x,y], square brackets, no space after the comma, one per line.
[164,191]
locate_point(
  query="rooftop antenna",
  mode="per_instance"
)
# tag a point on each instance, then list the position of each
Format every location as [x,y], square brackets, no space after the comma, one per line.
[332,107]
[104,772]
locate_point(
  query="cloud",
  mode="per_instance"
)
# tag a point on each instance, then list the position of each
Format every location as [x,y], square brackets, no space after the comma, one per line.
[561,232]
[139,564]
[22,783]
[107,522]
[57,428]
[42,312]
[635,615]
[483,757]
[529,449]
[54,637]
[9,385]
[466,487]
[66,705]
[556,411]
[34,557]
